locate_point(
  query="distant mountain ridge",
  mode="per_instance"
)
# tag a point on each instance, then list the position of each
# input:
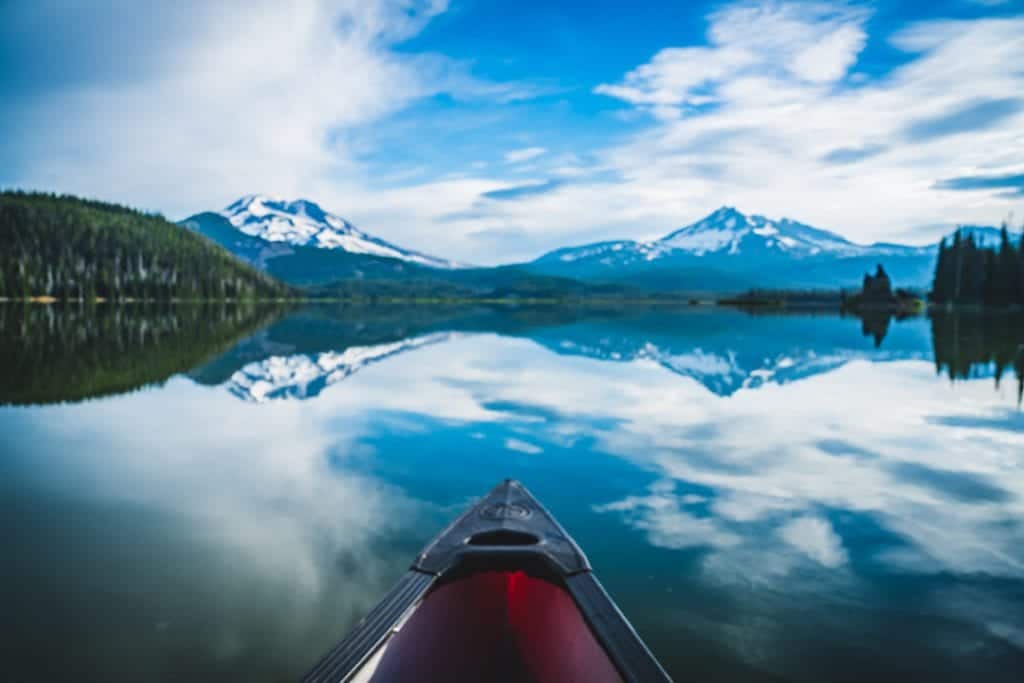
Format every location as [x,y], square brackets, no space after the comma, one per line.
[300,243]
[726,251]
[731,250]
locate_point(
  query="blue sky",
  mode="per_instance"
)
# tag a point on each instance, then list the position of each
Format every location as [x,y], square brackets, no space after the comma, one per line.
[492,132]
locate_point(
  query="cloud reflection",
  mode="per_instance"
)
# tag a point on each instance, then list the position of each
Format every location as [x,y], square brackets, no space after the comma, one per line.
[872,439]
[229,530]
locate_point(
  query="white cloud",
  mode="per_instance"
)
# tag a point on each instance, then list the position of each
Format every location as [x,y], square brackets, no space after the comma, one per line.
[813,42]
[243,97]
[517,156]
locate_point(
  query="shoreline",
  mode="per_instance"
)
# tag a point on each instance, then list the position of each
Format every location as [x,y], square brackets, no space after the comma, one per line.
[920,307]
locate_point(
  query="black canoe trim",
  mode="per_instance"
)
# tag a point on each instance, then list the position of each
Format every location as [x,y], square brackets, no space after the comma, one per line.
[366,637]
[507,525]
[615,633]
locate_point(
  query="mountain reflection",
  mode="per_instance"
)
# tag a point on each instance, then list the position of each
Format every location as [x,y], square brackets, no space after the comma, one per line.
[263,354]
[724,350]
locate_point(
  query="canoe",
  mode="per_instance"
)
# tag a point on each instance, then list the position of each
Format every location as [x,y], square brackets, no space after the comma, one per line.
[502,594]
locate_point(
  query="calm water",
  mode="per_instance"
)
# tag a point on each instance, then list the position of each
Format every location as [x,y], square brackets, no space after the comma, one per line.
[219,494]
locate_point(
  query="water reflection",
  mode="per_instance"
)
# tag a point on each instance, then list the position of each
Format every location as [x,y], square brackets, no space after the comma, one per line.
[55,354]
[768,497]
[194,543]
[68,353]
[970,345]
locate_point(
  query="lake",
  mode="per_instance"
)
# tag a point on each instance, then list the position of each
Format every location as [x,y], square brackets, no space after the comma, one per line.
[220,492]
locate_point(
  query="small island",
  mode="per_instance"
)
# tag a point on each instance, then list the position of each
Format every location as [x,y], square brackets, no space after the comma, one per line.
[878,295]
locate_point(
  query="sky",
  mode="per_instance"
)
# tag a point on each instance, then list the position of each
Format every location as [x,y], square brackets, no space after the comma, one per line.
[491,132]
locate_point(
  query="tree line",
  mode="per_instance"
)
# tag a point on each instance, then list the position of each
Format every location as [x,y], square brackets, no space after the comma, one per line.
[69,248]
[969,273]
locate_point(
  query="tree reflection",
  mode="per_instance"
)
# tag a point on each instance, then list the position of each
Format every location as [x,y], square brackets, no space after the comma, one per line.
[969,345]
[875,324]
[58,353]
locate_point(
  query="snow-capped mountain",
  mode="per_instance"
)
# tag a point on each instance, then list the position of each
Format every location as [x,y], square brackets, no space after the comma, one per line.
[728,232]
[303,223]
[730,249]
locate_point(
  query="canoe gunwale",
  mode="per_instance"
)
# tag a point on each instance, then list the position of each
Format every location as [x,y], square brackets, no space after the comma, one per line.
[623,644]
[348,656]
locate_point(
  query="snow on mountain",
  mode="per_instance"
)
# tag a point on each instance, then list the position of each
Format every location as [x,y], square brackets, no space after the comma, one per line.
[728,232]
[302,376]
[303,223]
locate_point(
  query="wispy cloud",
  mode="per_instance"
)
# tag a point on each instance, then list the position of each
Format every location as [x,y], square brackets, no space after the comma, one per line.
[850,155]
[972,117]
[983,182]
[520,191]
[518,156]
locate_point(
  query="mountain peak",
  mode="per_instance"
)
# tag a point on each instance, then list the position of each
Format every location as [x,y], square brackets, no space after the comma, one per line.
[725,212]
[728,230]
[262,204]
[301,222]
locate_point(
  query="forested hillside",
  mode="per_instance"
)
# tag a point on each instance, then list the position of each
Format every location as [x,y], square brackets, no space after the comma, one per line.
[71,248]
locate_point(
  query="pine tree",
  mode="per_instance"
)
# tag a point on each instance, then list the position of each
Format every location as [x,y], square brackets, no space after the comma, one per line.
[940,284]
[957,269]
[1019,289]
[989,267]
[1005,271]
